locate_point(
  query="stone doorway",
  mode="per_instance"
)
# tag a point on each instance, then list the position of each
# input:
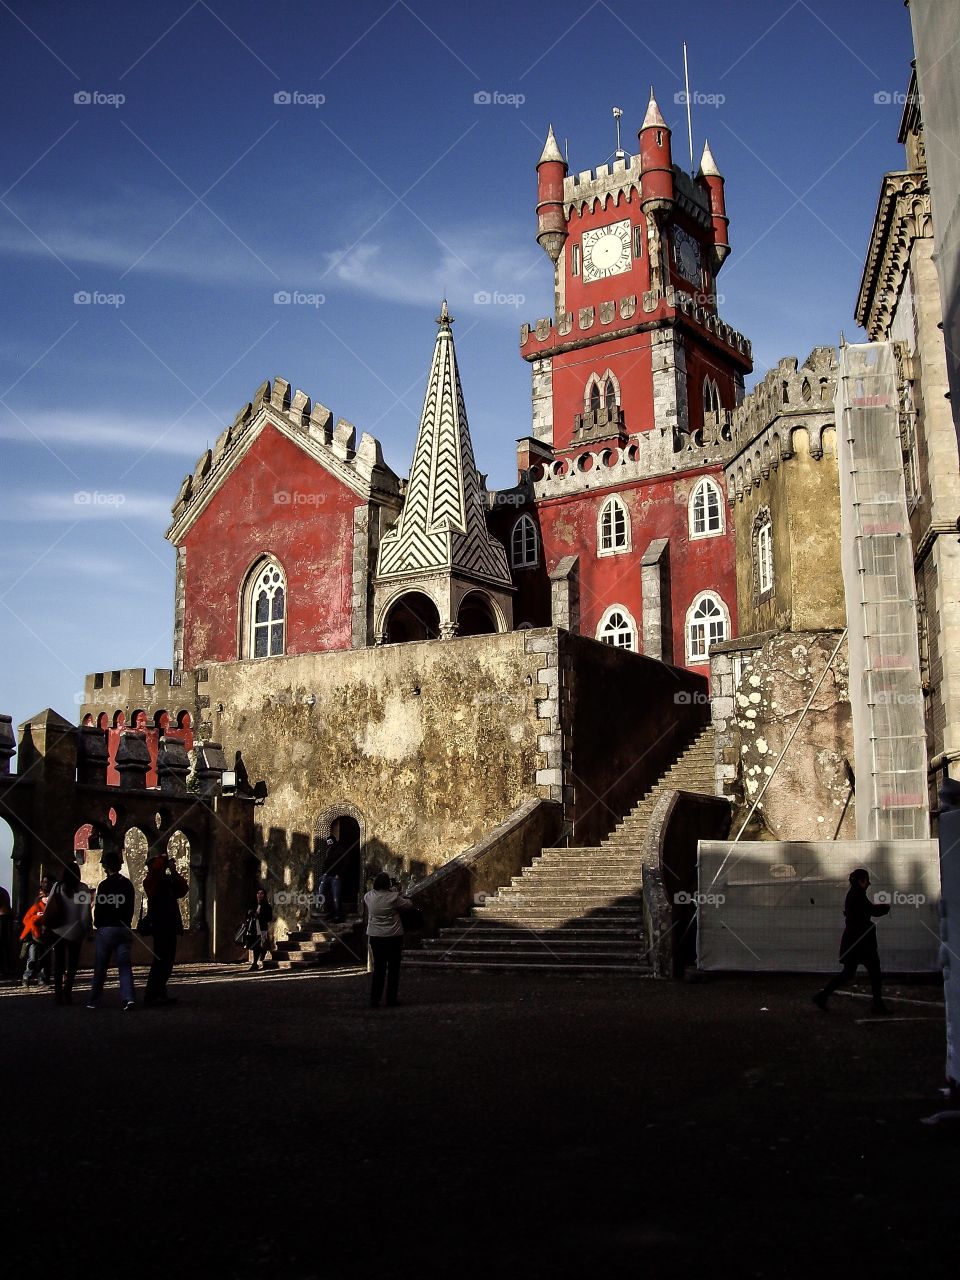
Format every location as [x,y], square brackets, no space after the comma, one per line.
[345,859]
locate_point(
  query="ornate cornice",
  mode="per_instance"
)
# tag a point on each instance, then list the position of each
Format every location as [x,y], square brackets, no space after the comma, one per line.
[903,216]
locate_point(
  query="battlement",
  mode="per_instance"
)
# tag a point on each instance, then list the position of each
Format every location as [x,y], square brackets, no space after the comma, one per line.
[657,452]
[314,420]
[130,688]
[791,398]
[548,335]
[598,186]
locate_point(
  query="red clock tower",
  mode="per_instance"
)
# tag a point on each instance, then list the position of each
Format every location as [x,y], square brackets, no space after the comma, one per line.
[634,378]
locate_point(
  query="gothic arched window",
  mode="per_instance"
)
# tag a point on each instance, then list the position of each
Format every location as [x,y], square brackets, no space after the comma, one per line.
[613,528]
[617,628]
[610,396]
[706,509]
[523,544]
[594,397]
[266,609]
[711,399]
[763,553]
[707,624]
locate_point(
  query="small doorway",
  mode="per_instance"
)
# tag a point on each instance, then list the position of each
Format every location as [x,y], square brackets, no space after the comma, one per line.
[344,858]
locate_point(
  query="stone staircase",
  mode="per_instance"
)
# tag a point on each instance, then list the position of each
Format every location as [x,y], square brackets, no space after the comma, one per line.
[310,946]
[572,909]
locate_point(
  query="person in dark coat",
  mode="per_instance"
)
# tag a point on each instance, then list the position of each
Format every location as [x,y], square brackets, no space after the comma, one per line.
[163,887]
[858,945]
[258,927]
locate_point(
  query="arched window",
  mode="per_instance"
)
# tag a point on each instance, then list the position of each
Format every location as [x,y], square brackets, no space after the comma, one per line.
[707,624]
[523,544]
[763,553]
[267,611]
[613,528]
[594,397]
[610,396]
[711,399]
[617,628]
[706,509]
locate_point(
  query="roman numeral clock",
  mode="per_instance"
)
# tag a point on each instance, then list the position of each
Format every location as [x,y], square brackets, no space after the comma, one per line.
[606,251]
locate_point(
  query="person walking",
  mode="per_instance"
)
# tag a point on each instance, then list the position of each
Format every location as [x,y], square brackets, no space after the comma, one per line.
[383,904]
[112,918]
[331,881]
[39,950]
[163,886]
[67,918]
[858,944]
[258,928]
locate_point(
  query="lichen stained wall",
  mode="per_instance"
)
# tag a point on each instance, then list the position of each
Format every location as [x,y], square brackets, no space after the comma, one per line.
[430,745]
[809,796]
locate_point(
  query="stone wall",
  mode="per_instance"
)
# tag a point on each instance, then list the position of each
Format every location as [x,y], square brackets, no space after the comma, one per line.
[810,796]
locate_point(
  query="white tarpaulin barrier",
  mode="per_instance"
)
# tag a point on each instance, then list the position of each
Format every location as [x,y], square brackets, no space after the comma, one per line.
[779,907]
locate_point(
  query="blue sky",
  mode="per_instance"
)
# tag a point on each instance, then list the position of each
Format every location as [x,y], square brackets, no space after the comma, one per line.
[183,188]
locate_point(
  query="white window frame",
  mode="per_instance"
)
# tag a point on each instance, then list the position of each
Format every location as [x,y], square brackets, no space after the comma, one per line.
[268,568]
[701,656]
[607,633]
[612,505]
[705,485]
[765,558]
[524,544]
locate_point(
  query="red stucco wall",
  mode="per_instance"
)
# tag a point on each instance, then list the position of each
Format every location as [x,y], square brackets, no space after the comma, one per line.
[278,501]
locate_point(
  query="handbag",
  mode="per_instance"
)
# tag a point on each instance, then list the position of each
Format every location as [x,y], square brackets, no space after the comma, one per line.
[53,913]
[144,923]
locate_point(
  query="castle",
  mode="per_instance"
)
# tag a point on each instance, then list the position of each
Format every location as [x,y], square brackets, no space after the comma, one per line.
[448,678]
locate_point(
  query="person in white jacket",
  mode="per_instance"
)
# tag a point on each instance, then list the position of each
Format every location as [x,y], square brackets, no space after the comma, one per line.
[67,918]
[383,903]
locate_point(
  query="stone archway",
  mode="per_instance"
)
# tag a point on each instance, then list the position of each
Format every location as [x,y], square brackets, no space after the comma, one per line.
[409,617]
[347,826]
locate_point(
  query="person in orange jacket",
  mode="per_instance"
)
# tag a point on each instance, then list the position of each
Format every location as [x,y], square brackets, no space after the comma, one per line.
[39,952]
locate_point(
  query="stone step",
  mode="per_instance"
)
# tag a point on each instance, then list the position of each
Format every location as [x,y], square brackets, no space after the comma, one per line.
[534,945]
[542,920]
[422,960]
[491,929]
[540,955]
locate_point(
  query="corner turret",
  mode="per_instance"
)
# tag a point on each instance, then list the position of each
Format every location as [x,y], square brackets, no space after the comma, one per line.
[709,177]
[656,160]
[551,221]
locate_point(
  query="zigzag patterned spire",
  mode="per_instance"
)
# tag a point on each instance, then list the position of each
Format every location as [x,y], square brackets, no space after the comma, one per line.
[442,524]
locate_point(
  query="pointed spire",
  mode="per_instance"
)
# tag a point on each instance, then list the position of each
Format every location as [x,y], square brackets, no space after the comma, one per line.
[653,118]
[708,166]
[550,149]
[442,526]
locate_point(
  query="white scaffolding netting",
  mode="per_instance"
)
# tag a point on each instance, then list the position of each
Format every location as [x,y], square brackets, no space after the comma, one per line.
[889,734]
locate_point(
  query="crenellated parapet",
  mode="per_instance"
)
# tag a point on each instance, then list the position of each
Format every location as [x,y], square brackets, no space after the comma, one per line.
[548,336]
[792,398]
[310,424]
[649,453]
[123,695]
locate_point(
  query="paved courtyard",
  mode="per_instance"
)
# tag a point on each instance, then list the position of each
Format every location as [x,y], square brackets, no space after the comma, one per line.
[525,1125]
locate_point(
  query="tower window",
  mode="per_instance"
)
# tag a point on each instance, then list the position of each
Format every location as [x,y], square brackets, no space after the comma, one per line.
[594,397]
[613,528]
[711,399]
[575,260]
[523,544]
[610,396]
[707,624]
[706,510]
[617,628]
[763,553]
[638,242]
[266,609]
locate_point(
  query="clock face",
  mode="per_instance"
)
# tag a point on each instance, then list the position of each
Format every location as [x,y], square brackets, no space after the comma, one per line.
[686,254]
[606,251]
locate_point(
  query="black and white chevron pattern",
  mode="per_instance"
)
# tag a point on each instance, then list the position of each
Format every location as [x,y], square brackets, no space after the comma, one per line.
[443,525]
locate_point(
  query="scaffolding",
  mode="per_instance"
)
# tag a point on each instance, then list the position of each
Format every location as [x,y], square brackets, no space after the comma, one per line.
[889,733]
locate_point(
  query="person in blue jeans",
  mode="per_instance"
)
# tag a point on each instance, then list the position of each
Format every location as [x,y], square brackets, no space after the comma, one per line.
[112,918]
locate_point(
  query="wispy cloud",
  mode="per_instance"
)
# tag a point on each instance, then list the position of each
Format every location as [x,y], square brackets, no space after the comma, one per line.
[92,430]
[60,507]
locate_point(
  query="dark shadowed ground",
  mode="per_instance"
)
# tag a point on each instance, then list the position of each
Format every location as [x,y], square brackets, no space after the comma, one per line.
[491,1126]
